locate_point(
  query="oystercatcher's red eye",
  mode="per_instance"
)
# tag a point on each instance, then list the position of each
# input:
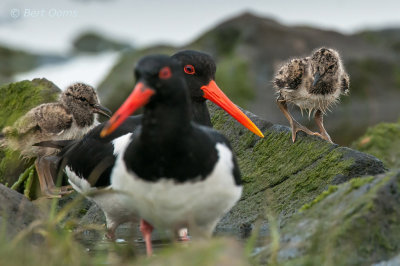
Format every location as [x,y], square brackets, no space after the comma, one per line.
[189,69]
[165,73]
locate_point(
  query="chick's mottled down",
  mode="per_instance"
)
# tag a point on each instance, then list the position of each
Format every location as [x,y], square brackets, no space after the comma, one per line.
[69,118]
[313,84]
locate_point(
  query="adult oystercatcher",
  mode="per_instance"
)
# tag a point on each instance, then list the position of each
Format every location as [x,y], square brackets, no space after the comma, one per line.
[173,172]
[311,83]
[71,117]
[88,162]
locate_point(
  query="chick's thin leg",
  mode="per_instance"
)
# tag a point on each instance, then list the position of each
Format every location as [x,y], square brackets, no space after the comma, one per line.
[296,126]
[43,169]
[43,180]
[319,120]
[51,173]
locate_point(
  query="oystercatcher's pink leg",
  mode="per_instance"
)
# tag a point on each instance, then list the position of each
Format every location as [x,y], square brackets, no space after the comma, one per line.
[183,235]
[146,230]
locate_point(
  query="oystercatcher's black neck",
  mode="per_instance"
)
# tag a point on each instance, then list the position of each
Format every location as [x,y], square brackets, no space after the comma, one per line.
[164,121]
[185,155]
[198,69]
[200,113]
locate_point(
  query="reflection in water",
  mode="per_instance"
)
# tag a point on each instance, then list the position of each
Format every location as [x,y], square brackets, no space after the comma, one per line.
[129,243]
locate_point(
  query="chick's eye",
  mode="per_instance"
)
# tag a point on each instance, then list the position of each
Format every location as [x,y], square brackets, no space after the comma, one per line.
[331,67]
[165,73]
[189,69]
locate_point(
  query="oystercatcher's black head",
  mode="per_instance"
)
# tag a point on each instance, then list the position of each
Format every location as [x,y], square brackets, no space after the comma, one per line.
[159,82]
[199,72]
[199,69]
[161,74]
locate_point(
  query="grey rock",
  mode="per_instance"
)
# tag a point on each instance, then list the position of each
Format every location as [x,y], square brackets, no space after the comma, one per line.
[392,262]
[16,212]
[93,216]
[355,223]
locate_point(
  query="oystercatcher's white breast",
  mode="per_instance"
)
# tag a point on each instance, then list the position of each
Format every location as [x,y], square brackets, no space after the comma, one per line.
[172,205]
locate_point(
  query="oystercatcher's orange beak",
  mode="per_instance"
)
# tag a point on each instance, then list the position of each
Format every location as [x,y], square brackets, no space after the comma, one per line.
[140,95]
[213,93]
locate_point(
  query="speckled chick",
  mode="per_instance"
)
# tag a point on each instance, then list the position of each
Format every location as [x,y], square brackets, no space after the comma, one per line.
[69,118]
[314,84]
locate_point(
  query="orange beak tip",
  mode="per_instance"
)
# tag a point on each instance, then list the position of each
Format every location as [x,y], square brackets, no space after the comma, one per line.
[213,93]
[256,131]
[103,133]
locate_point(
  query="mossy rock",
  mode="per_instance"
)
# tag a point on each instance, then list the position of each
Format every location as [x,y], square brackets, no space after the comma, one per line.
[16,99]
[382,141]
[283,175]
[357,223]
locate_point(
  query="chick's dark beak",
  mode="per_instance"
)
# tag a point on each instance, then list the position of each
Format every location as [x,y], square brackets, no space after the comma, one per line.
[317,76]
[97,108]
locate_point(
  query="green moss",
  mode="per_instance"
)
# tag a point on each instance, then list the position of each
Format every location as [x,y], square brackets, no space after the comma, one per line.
[358,224]
[291,174]
[8,160]
[18,98]
[382,141]
[361,228]
[320,197]
[356,183]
